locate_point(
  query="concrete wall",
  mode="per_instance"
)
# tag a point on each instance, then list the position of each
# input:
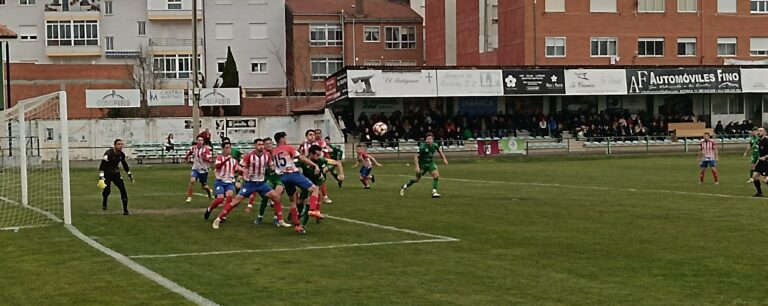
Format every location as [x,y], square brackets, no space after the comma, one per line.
[89,138]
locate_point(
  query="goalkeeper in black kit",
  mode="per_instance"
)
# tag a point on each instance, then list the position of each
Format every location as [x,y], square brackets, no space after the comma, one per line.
[109,173]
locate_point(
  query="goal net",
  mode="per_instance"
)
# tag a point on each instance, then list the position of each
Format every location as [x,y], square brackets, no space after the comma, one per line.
[34,165]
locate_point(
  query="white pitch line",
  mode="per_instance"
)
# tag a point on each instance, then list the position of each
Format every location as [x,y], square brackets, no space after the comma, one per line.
[333,246]
[595,188]
[17,228]
[152,275]
[35,209]
[190,295]
[392,228]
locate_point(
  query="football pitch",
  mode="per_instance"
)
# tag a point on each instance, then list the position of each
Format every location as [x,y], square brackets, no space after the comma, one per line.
[557,230]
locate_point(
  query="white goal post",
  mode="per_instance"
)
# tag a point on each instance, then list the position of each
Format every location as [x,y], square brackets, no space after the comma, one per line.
[34,163]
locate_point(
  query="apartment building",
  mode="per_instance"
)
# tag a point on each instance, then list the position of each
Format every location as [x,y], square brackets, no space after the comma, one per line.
[596,32]
[121,31]
[324,36]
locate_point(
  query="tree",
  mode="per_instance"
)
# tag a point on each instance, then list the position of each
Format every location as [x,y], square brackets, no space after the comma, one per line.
[230,78]
[145,78]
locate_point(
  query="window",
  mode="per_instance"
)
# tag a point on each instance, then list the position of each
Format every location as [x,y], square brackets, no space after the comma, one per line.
[555,46]
[224,30]
[686,47]
[372,63]
[174,66]
[28,33]
[371,34]
[554,6]
[602,6]
[174,4]
[650,47]
[107,7]
[650,6]
[220,65]
[257,30]
[323,35]
[2,2]
[727,105]
[759,6]
[26,2]
[72,33]
[687,6]
[324,66]
[726,46]
[726,6]
[109,43]
[603,46]
[142,27]
[259,65]
[489,25]
[400,37]
[758,46]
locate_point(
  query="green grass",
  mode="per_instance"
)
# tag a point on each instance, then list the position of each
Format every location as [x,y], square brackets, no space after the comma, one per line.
[531,231]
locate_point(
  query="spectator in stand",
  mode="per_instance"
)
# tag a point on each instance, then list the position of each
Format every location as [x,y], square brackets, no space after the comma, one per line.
[343,128]
[366,137]
[543,127]
[206,134]
[169,145]
[719,129]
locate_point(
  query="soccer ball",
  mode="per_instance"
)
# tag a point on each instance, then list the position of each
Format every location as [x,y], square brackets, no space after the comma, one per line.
[380,128]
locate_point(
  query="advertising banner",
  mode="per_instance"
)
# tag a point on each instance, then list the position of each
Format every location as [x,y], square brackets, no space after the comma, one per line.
[468,83]
[112,98]
[534,82]
[169,97]
[595,82]
[219,96]
[694,80]
[754,80]
[336,88]
[512,145]
[391,84]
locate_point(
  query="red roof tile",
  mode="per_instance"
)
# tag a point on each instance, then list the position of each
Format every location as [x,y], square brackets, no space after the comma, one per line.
[374,9]
[5,32]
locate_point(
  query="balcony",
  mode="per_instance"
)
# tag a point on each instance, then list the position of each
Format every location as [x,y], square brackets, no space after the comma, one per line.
[159,10]
[65,51]
[66,10]
[173,45]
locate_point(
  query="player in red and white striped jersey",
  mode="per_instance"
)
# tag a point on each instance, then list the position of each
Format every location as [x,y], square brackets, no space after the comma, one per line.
[226,167]
[254,165]
[310,141]
[201,161]
[708,157]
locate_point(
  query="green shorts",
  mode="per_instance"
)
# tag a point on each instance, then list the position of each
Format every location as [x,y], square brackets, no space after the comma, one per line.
[427,168]
[754,159]
[305,194]
[274,182]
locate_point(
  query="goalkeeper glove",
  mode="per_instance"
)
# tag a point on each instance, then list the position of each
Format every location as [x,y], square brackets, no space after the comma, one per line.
[130,177]
[101,184]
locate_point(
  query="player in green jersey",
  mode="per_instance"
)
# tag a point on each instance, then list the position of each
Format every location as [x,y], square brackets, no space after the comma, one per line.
[425,163]
[316,156]
[337,154]
[754,150]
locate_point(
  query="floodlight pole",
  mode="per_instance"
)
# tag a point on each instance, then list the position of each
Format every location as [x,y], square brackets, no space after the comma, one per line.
[195,69]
